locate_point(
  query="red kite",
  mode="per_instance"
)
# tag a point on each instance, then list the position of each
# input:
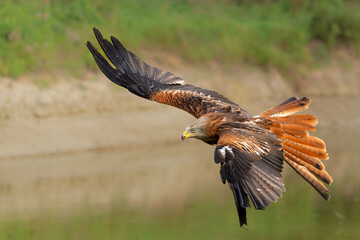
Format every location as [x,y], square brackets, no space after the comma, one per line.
[250,150]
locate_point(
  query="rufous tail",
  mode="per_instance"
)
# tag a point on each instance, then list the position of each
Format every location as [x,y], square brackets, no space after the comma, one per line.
[304,153]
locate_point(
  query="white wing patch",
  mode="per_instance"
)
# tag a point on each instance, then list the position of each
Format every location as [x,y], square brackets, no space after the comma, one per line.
[260,151]
[226,150]
[178,82]
[223,154]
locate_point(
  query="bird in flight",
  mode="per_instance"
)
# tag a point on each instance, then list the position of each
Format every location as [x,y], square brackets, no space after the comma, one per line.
[250,150]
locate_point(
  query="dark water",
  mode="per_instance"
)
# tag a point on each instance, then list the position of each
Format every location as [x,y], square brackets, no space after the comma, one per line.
[170,191]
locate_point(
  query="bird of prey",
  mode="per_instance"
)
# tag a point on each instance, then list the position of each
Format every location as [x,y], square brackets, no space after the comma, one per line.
[250,150]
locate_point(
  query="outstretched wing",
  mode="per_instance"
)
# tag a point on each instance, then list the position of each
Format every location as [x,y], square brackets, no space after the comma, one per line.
[251,161]
[153,83]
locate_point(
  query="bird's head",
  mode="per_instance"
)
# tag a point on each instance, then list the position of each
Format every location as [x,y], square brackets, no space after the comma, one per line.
[195,130]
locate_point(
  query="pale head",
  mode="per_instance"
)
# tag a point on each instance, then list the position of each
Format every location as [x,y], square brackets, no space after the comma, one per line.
[195,130]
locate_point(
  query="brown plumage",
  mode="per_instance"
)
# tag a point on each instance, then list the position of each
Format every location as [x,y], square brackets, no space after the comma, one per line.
[250,150]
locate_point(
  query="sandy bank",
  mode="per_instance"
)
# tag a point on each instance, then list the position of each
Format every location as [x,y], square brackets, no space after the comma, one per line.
[93,113]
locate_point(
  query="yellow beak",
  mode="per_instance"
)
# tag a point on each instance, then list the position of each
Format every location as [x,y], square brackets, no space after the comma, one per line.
[186,135]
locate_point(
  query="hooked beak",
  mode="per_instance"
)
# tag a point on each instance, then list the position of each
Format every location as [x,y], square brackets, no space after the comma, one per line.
[186,135]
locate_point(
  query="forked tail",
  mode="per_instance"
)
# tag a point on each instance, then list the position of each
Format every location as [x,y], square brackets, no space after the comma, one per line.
[304,153]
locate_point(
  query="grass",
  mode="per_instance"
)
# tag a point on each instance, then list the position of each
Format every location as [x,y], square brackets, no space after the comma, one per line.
[41,35]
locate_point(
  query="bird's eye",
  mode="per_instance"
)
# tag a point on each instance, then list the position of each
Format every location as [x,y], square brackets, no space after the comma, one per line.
[192,130]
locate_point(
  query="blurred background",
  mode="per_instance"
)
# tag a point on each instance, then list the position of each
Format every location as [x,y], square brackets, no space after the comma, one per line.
[81,158]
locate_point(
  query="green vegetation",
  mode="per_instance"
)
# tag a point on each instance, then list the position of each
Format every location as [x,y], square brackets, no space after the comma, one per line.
[41,35]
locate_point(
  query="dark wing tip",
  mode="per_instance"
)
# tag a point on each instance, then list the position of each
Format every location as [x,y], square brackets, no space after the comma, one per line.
[117,44]
[104,65]
[241,202]
[242,216]
[326,196]
[90,47]
[93,50]
[98,35]
[97,32]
